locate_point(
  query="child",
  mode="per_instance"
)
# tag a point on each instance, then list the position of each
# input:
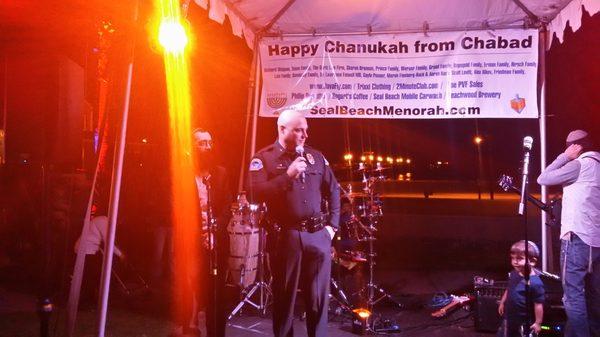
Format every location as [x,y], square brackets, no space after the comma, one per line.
[512,304]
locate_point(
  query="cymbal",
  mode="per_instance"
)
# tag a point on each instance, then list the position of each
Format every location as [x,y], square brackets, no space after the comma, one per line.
[381,168]
[355,195]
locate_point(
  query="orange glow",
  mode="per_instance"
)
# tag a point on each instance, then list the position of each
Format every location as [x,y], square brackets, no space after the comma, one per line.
[363,158]
[186,222]
[379,158]
[362,313]
[477,140]
[172,36]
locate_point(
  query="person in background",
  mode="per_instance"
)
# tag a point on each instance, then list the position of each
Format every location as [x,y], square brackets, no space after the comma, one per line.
[577,169]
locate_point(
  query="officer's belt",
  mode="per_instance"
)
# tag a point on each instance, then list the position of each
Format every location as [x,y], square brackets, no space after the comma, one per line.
[311,225]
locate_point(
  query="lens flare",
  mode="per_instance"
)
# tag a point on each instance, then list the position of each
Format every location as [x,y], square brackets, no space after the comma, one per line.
[185,209]
[172,36]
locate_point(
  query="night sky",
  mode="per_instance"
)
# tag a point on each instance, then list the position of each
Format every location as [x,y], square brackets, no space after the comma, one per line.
[220,68]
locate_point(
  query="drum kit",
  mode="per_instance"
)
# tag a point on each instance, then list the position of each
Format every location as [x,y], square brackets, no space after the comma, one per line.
[361,213]
[360,216]
[247,255]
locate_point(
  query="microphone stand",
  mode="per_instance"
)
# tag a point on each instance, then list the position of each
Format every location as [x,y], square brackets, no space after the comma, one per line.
[212,253]
[523,213]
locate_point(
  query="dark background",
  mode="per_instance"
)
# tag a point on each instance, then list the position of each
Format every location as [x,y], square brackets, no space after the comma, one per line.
[33,49]
[39,39]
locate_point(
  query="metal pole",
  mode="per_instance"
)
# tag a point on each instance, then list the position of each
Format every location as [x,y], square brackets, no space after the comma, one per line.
[115,191]
[252,84]
[393,32]
[115,194]
[543,39]
[75,287]
[256,100]
[4,113]
[5,94]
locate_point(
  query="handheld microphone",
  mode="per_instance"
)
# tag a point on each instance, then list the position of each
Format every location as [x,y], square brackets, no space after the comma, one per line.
[300,153]
[527,145]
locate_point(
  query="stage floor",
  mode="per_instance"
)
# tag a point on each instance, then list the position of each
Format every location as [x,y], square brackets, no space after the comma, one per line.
[148,315]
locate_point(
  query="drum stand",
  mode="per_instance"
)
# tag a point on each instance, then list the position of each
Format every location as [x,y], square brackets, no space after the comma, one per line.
[260,287]
[374,293]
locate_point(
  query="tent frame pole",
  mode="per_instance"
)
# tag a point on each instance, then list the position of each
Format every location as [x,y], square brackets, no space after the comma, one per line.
[398,32]
[115,195]
[256,105]
[115,192]
[543,43]
[277,16]
[250,110]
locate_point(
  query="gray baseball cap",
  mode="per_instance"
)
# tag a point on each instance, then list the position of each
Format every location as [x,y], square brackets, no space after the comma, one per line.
[576,135]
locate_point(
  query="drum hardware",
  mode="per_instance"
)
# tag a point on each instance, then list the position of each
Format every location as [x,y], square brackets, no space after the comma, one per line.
[212,249]
[243,233]
[339,296]
[260,287]
[368,210]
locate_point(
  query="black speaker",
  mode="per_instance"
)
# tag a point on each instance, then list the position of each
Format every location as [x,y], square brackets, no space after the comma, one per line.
[487,298]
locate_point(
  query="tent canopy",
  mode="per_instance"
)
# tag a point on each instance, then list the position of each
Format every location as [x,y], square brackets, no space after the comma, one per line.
[283,17]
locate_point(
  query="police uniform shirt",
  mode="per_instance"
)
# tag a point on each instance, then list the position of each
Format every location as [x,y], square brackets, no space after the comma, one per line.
[291,200]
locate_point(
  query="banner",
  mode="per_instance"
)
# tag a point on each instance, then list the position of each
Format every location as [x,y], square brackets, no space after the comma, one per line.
[476,74]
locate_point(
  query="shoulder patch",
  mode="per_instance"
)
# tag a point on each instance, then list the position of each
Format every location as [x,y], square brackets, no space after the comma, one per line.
[326,162]
[256,164]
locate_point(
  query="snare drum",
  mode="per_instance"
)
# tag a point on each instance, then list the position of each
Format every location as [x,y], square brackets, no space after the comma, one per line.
[243,244]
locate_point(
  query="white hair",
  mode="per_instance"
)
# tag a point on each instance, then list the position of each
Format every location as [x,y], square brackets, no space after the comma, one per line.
[288,115]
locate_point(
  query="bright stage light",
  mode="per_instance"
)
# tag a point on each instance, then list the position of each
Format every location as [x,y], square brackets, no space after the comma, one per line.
[360,321]
[477,140]
[172,36]
[362,313]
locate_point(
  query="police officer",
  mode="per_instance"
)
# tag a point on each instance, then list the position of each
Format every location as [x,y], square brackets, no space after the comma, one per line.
[294,180]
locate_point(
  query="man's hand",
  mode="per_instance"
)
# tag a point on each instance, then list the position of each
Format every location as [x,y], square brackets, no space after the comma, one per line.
[537,327]
[297,167]
[501,308]
[573,151]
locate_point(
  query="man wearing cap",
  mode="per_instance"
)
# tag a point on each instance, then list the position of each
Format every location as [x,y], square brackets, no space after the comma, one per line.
[578,171]
[294,180]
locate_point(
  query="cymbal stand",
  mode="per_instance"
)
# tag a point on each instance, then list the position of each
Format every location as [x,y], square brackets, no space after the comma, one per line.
[374,292]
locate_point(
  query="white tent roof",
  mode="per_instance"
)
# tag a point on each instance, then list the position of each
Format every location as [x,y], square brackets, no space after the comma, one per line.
[281,17]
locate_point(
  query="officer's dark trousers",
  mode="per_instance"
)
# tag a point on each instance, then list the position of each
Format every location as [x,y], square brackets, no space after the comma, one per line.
[301,260]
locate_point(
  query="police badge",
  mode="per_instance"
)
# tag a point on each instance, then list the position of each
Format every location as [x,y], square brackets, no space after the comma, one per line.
[256,165]
[310,158]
